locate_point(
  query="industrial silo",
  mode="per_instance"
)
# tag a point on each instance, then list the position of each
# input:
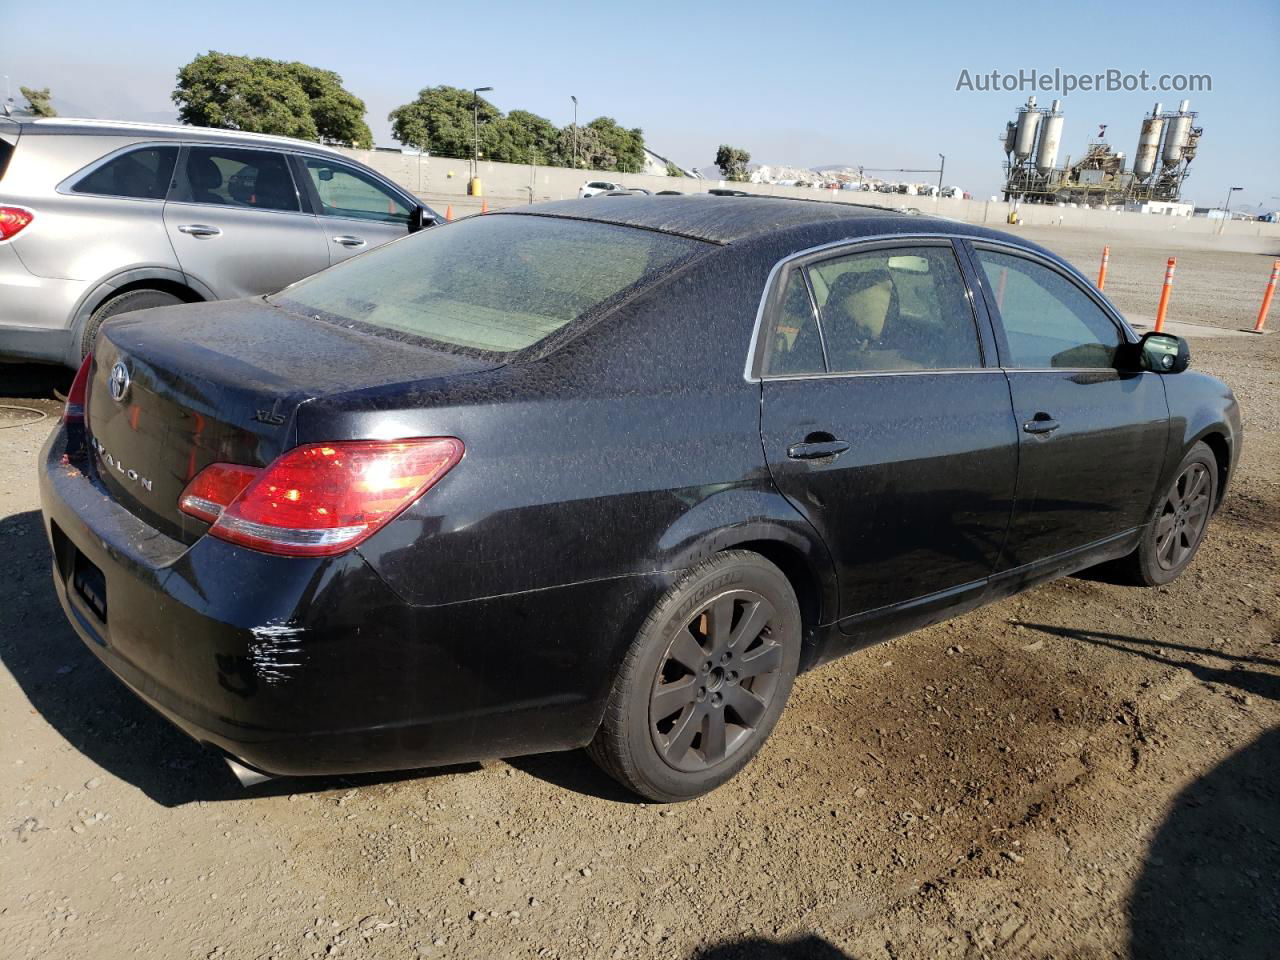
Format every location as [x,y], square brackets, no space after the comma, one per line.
[1050,138]
[1024,142]
[1144,161]
[1175,139]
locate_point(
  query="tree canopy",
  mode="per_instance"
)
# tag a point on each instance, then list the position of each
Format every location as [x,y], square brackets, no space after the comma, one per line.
[732,162]
[440,121]
[38,101]
[270,96]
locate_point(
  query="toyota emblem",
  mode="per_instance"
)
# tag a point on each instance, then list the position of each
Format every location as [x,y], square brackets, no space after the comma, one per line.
[119,381]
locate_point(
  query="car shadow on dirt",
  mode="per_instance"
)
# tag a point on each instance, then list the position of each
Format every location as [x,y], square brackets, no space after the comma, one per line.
[755,948]
[34,380]
[96,713]
[1210,886]
[1233,672]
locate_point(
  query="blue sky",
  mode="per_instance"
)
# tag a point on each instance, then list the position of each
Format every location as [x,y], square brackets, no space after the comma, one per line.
[805,84]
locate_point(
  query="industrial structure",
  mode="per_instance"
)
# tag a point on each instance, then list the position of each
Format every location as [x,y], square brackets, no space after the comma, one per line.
[1167,144]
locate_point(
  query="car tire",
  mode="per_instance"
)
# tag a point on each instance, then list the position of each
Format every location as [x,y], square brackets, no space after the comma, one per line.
[703,684]
[126,302]
[1177,525]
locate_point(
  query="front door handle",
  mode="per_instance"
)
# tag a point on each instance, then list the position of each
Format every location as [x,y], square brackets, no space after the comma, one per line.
[818,450]
[1042,424]
[349,241]
[199,230]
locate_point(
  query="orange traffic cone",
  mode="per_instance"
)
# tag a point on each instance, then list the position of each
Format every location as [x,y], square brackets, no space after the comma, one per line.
[448,213]
[484,206]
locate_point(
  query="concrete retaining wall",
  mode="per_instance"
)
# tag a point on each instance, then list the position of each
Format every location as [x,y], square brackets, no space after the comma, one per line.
[442,181]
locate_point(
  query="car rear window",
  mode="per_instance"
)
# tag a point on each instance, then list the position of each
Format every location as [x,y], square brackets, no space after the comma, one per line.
[142,174]
[494,284]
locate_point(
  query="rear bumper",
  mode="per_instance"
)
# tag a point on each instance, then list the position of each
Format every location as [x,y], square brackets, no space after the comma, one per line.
[315,666]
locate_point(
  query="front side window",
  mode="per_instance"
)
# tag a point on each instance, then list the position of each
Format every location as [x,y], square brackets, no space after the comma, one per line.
[903,308]
[494,284]
[142,174]
[1049,322]
[239,178]
[347,192]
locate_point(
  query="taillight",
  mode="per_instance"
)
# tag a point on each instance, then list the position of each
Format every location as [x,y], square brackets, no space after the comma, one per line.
[214,488]
[323,498]
[12,221]
[73,412]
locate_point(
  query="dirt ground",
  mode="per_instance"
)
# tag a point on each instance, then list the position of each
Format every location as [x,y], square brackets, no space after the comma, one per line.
[1086,770]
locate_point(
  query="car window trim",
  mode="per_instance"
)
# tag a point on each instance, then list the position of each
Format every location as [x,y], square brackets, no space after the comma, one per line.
[300,173]
[66,185]
[766,312]
[1067,272]
[180,179]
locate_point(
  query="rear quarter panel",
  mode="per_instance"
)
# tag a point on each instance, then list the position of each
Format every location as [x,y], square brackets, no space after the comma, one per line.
[633,449]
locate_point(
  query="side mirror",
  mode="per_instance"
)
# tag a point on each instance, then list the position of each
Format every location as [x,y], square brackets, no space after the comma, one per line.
[1163,353]
[420,218]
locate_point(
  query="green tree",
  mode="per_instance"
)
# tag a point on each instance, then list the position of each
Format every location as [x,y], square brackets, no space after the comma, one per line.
[521,137]
[673,170]
[732,162]
[38,101]
[592,152]
[440,120]
[625,146]
[269,96]
[338,113]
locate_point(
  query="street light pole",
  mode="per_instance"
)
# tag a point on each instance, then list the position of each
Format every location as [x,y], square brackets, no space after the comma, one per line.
[575,131]
[941,167]
[475,123]
[1226,209]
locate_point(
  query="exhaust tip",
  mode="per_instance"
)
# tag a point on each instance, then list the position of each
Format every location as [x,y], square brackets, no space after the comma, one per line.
[247,776]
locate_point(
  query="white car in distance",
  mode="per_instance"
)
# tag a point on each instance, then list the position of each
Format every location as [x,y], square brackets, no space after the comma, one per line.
[592,187]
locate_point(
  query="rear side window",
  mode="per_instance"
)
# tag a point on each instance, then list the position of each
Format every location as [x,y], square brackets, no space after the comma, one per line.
[1049,322]
[347,192]
[6,151]
[238,178]
[904,308]
[796,347]
[142,174]
[494,284]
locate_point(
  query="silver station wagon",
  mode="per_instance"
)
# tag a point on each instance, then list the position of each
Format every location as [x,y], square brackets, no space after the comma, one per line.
[99,218]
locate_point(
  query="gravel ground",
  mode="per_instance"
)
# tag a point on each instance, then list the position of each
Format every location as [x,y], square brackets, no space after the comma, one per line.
[1086,770]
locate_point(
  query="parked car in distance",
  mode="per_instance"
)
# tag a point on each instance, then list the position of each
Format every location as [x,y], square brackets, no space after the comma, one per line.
[99,218]
[460,498]
[594,188]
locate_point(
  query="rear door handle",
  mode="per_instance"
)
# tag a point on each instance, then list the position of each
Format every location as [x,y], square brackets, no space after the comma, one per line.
[199,230]
[349,241]
[818,450]
[1041,424]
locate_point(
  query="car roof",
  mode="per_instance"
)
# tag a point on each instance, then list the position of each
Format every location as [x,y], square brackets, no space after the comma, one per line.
[731,220]
[158,131]
[721,220]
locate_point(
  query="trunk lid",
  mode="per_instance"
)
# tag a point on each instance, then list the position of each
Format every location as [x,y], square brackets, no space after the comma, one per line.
[223,382]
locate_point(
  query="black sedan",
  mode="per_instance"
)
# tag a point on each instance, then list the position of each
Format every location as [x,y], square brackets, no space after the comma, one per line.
[605,475]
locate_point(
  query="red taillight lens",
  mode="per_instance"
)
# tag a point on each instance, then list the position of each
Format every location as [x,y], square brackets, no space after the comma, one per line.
[324,498]
[214,488]
[12,221]
[73,412]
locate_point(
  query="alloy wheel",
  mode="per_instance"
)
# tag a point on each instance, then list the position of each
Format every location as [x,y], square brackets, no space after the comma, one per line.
[1183,517]
[716,681]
